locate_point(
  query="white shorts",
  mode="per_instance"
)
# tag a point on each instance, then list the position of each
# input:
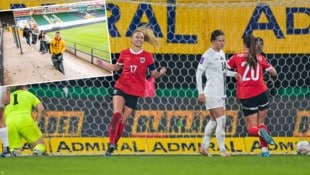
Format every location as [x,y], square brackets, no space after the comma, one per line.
[214,102]
[2,96]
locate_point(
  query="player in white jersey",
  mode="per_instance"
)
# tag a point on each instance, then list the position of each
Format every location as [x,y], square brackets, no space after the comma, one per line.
[4,100]
[213,63]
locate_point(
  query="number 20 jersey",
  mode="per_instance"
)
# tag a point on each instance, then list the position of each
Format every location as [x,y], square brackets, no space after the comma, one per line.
[135,66]
[252,82]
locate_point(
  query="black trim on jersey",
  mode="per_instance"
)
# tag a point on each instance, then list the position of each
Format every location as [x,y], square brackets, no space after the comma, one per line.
[152,67]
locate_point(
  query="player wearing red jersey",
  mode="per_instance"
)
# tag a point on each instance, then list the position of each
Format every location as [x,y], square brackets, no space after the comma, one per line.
[251,90]
[134,62]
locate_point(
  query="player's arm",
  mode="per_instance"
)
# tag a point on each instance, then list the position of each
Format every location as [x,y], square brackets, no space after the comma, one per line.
[40,109]
[272,71]
[109,66]
[268,67]
[155,73]
[201,96]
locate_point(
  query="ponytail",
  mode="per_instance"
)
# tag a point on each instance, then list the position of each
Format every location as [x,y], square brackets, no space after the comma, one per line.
[250,43]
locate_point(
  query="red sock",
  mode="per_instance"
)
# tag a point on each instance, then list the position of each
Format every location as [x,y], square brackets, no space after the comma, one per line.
[121,127]
[263,143]
[116,117]
[253,131]
[263,126]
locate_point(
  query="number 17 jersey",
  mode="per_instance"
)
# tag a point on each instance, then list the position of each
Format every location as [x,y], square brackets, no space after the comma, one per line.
[135,66]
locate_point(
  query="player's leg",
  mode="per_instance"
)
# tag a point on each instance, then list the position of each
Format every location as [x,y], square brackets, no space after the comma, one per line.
[39,147]
[250,113]
[209,129]
[4,136]
[217,111]
[208,133]
[121,124]
[118,108]
[14,138]
[33,135]
[130,106]
[220,117]
[262,113]
[263,105]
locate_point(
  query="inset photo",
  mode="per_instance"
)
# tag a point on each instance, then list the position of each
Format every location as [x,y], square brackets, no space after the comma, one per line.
[54,43]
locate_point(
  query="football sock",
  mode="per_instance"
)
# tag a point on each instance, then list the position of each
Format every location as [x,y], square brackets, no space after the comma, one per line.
[4,137]
[121,127]
[264,149]
[263,143]
[220,132]
[209,129]
[116,117]
[253,131]
[40,147]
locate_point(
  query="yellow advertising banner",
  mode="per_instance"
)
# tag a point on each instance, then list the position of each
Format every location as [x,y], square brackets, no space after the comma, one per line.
[185,26]
[162,146]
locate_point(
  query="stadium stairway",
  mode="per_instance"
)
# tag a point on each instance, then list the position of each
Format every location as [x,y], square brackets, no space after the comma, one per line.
[34,67]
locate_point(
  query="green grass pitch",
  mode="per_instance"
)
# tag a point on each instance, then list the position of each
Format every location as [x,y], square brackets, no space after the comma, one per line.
[86,37]
[156,165]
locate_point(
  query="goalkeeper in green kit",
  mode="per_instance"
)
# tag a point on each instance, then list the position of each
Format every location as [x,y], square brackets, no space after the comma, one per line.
[20,123]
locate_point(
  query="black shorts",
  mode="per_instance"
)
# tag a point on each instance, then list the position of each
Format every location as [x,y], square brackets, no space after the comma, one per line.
[130,100]
[252,105]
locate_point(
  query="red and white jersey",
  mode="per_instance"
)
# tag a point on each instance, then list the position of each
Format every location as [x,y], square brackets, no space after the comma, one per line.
[252,82]
[135,66]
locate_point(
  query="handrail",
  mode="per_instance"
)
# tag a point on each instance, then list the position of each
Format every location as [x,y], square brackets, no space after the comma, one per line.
[1,56]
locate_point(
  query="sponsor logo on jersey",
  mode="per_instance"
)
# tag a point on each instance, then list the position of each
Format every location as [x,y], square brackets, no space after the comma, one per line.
[142,60]
[201,60]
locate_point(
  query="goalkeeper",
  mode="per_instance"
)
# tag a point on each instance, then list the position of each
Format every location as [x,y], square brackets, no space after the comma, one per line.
[20,123]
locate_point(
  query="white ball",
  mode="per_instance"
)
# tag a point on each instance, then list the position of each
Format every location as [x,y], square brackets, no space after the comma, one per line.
[303,147]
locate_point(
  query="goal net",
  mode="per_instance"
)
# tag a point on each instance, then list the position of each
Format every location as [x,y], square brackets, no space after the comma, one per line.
[172,122]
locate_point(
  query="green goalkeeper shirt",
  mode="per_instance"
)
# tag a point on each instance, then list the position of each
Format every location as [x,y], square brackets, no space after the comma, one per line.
[21,105]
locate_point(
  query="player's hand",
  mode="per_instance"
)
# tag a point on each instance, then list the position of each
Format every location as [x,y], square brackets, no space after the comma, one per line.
[238,77]
[201,98]
[162,70]
[270,84]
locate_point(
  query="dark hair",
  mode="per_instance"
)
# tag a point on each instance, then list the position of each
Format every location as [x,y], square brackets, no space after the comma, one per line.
[215,34]
[19,87]
[250,43]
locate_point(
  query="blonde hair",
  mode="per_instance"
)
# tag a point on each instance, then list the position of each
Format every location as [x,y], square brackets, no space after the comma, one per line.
[148,35]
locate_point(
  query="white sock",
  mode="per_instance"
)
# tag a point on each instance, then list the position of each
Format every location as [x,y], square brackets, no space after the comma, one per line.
[220,132]
[4,137]
[209,130]
[264,149]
